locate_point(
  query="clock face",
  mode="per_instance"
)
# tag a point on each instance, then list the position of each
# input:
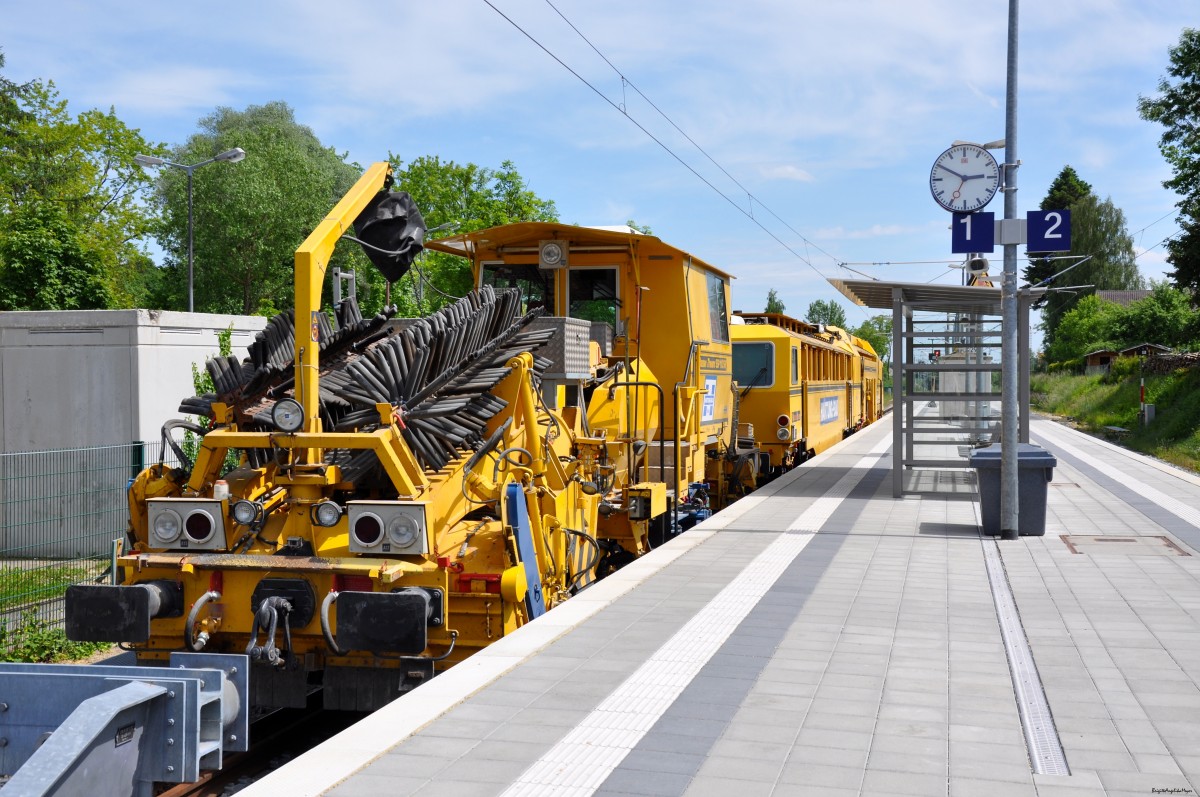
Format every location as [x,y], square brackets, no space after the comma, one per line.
[964,178]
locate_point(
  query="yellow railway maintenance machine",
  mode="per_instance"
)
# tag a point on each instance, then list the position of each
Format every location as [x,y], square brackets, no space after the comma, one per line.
[802,387]
[410,490]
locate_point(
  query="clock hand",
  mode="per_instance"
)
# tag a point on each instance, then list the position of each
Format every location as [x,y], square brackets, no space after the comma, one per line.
[956,174]
[971,176]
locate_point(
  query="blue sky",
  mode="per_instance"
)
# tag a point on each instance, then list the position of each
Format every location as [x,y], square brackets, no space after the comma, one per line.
[829,113]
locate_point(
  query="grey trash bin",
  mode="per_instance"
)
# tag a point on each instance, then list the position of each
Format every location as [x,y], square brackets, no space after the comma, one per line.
[1035,469]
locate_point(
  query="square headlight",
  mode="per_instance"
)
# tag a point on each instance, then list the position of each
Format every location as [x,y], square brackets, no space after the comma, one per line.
[192,524]
[388,527]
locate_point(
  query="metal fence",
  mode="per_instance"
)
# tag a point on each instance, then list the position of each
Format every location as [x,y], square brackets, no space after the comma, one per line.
[59,514]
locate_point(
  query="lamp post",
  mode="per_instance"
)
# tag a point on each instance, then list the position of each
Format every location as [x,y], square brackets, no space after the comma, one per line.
[229,156]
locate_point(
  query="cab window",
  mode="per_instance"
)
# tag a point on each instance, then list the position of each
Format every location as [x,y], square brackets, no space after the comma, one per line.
[753,364]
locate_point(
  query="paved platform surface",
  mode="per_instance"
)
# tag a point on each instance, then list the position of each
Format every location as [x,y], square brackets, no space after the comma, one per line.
[822,637]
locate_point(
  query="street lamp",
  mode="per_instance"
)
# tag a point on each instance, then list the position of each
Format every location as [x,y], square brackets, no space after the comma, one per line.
[229,156]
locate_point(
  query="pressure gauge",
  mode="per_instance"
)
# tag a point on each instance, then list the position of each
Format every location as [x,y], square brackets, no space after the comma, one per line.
[287,415]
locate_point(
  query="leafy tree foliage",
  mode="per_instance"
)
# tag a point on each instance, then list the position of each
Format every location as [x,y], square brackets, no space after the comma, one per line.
[774,303]
[1165,317]
[45,264]
[1099,230]
[877,330]
[1067,189]
[458,198]
[1083,328]
[1177,108]
[250,217]
[71,207]
[828,313]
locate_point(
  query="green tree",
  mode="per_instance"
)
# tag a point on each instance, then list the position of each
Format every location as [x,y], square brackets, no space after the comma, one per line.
[877,330]
[44,264]
[458,198]
[250,217]
[774,303]
[1089,325]
[1177,108]
[1097,229]
[75,176]
[828,313]
[1165,317]
[1067,189]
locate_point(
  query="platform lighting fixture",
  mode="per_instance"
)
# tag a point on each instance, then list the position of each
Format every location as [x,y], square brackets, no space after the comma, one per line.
[228,156]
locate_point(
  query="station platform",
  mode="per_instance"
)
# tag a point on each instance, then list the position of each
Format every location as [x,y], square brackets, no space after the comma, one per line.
[822,637]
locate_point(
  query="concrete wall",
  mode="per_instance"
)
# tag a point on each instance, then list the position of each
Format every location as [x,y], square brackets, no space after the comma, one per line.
[70,379]
[78,379]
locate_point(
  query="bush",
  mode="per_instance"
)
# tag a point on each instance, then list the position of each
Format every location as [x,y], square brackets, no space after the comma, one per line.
[35,641]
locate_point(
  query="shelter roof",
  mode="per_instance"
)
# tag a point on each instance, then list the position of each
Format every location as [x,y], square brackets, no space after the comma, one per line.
[923,296]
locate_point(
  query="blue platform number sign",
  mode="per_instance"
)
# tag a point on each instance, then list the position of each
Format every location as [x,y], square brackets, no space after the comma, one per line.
[973,232]
[1049,230]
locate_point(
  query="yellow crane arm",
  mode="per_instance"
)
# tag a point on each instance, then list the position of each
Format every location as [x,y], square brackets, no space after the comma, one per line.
[312,258]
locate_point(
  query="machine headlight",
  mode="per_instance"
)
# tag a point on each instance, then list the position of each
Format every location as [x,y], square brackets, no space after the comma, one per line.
[246,512]
[199,526]
[367,529]
[167,526]
[288,415]
[403,530]
[784,434]
[326,513]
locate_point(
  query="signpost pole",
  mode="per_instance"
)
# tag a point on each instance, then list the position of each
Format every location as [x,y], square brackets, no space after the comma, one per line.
[1010,431]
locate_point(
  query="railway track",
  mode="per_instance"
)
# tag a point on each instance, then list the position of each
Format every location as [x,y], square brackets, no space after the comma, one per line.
[277,738]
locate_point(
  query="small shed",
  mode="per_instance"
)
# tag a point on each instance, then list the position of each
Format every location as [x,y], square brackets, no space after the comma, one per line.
[1097,362]
[1145,350]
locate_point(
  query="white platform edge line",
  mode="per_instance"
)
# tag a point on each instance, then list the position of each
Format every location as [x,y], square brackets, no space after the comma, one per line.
[337,759]
[681,657]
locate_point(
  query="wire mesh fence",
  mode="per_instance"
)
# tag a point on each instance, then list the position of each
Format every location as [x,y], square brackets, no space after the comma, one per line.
[60,512]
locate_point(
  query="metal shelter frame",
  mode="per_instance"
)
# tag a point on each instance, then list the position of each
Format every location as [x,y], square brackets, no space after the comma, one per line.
[972,329]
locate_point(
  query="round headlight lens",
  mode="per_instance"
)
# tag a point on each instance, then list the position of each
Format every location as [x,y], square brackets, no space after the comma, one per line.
[327,513]
[287,415]
[368,529]
[784,433]
[403,530]
[199,526]
[167,525]
[245,512]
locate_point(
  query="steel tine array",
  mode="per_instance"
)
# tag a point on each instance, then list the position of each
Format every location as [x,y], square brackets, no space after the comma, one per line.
[438,370]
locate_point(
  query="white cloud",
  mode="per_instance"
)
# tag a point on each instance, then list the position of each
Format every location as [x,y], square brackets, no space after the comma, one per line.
[874,231]
[785,172]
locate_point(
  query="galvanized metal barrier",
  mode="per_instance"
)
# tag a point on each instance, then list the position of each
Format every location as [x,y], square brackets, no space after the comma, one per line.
[85,730]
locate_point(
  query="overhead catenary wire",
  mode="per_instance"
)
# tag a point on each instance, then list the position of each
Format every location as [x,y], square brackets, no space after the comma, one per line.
[749,195]
[659,141]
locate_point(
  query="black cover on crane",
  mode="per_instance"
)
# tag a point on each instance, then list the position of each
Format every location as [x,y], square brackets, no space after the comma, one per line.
[392,223]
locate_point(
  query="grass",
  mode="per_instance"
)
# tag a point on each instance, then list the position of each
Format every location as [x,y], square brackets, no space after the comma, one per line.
[32,639]
[1095,402]
[23,585]
[35,640]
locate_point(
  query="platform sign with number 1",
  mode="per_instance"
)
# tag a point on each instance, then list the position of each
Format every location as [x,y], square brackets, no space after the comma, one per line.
[973,232]
[1049,230]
